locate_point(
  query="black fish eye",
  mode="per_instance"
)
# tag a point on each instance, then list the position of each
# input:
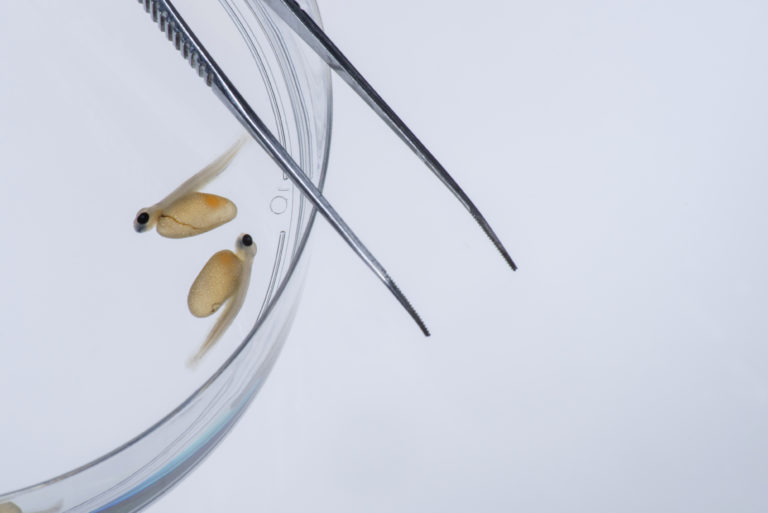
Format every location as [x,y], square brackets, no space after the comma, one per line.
[143,218]
[247,240]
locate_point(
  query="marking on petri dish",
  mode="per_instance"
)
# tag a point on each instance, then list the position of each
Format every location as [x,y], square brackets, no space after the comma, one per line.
[278,205]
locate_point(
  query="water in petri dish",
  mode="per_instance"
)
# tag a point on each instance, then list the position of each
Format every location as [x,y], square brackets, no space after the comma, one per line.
[100,118]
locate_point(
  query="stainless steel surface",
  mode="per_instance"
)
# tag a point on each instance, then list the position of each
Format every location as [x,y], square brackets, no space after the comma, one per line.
[292,13]
[178,32]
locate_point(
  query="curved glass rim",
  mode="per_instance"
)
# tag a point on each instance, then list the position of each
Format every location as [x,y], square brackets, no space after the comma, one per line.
[290,275]
[259,322]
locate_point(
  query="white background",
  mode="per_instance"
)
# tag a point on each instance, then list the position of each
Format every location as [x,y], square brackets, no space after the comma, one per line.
[619,149]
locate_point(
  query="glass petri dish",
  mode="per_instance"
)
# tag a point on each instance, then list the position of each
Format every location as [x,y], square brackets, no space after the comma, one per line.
[101,117]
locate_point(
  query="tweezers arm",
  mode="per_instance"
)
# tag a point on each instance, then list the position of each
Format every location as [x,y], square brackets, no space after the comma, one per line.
[301,23]
[253,124]
[170,21]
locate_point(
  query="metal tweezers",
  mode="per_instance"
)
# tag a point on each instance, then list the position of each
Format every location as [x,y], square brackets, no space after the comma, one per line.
[170,21]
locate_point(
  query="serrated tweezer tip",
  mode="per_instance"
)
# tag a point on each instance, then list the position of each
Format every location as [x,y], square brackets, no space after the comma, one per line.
[408,308]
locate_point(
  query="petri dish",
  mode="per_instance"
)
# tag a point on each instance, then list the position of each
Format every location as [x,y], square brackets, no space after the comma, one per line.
[102,117]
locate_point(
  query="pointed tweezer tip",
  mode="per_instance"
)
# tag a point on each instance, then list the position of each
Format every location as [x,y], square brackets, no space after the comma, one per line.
[481,221]
[415,316]
[496,242]
[407,305]
[511,262]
